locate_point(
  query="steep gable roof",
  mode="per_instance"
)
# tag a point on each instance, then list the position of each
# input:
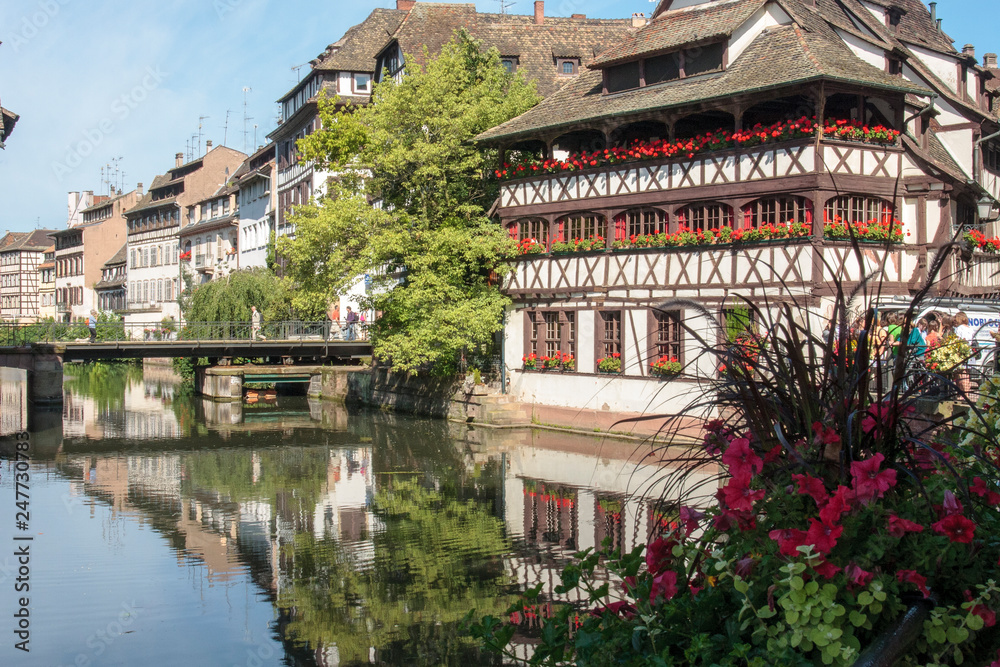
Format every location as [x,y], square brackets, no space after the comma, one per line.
[7,121]
[778,57]
[356,50]
[673,29]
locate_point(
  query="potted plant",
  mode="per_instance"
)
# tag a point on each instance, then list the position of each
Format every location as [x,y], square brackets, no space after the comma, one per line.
[553,362]
[568,362]
[530,361]
[610,364]
[665,366]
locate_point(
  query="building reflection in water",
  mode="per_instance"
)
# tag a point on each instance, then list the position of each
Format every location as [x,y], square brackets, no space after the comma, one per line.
[13,401]
[371,535]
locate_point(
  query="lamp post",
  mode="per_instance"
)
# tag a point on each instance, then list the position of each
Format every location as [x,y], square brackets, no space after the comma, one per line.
[988,209]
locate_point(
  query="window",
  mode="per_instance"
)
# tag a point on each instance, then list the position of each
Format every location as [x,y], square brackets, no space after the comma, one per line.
[704,59]
[204,212]
[580,227]
[609,333]
[567,66]
[530,228]
[665,335]
[774,210]
[225,206]
[509,63]
[857,208]
[702,217]
[663,68]
[623,77]
[639,222]
[550,332]
[362,83]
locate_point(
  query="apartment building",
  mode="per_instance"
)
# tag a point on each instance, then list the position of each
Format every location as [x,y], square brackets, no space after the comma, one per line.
[110,289]
[257,202]
[21,253]
[209,242]
[47,285]
[154,226]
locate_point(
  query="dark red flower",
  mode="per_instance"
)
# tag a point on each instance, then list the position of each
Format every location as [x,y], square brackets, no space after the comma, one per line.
[659,554]
[980,489]
[739,496]
[988,615]
[868,482]
[918,580]
[741,458]
[690,518]
[899,526]
[826,569]
[788,539]
[956,527]
[812,487]
[620,608]
[665,585]
[838,505]
[857,575]
[822,536]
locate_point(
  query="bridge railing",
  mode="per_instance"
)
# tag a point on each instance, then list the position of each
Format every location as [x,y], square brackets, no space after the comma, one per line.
[20,335]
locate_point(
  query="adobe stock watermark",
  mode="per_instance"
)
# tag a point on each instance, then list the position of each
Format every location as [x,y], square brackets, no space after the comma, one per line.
[101,640]
[121,108]
[33,23]
[225,7]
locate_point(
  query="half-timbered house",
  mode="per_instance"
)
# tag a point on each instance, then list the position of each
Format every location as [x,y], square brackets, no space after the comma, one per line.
[21,253]
[722,152]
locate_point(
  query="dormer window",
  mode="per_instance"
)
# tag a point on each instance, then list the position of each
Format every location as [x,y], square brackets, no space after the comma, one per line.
[362,83]
[568,66]
[894,66]
[692,61]
[509,63]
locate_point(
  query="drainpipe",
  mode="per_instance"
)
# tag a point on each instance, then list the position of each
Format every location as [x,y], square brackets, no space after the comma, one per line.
[503,352]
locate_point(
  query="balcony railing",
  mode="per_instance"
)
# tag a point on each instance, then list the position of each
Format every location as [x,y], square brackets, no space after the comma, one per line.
[788,159]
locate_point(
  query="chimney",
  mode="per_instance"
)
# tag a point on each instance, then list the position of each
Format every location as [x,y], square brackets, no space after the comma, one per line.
[638,20]
[178,159]
[969,50]
[990,61]
[539,12]
[208,145]
[138,189]
[578,16]
[405,5]
[933,7]
[939,25]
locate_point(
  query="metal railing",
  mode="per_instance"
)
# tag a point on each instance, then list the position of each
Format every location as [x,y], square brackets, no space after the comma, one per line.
[20,335]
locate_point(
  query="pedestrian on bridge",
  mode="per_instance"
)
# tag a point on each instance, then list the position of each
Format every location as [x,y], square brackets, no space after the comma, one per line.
[352,324]
[92,325]
[255,320]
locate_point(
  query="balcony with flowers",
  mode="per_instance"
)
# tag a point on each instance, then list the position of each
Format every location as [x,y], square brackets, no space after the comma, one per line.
[716,157]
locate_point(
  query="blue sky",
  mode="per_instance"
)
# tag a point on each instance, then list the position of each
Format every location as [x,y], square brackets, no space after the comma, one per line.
[97,80]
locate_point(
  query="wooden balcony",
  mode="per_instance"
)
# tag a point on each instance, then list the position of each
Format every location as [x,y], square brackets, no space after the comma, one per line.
[789,266]
[720,169]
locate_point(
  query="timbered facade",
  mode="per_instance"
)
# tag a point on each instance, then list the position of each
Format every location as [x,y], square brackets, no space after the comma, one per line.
[21,253]
[719,153]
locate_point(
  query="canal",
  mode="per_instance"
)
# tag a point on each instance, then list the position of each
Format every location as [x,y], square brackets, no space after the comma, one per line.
[166,529]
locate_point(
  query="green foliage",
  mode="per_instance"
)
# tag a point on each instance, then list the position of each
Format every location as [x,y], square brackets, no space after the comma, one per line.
[229,299]
[103,381]
[428,247]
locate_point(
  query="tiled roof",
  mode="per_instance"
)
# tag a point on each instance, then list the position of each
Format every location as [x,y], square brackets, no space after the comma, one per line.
[212,223]
[147,203]
[104,202]
[356,50]
[36,240]
[432,25]
[119,257]
[673,29]
[779,57]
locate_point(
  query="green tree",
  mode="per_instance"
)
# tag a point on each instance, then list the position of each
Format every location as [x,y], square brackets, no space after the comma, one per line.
[426,243]
[229,299]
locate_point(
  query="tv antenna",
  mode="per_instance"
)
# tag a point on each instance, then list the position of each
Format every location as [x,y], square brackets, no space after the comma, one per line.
[201,122]
[506,4]
[246,118]
[225,128]
[255,136]
[298,74]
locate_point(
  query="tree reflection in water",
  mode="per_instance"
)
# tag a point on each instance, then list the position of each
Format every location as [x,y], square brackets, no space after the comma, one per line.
[435,558]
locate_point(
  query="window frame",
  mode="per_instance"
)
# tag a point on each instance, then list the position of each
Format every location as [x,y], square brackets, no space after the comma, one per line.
[673,322]
[538,335]
[601,340]
[562,62]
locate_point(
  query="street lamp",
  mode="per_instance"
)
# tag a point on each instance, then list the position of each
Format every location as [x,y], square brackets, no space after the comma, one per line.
[988,209]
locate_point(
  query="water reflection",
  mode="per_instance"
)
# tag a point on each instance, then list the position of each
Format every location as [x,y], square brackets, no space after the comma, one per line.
[362,538]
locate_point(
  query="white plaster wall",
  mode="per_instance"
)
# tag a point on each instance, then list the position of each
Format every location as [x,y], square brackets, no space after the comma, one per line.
[908,213]
[586,322]
[514,339]
[604,392]
[877,12]
[767,16]
[944,67]
[959,145]
[870,53]
[634,343]
[933,218]
[344,83]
